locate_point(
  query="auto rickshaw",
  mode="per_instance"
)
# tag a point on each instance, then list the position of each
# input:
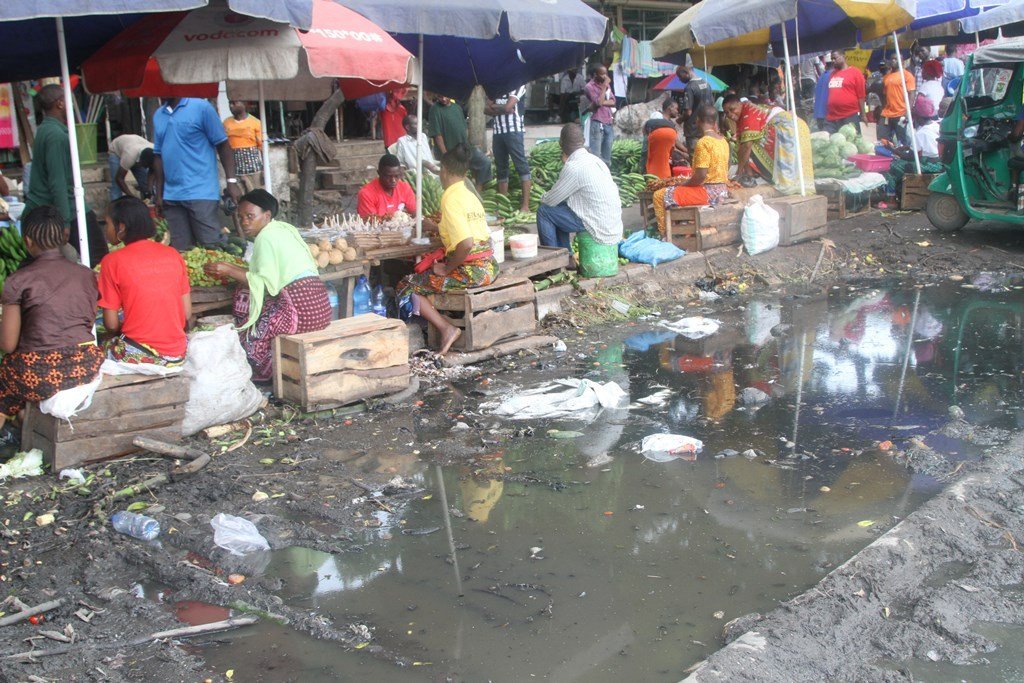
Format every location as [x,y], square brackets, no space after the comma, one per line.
[982,180]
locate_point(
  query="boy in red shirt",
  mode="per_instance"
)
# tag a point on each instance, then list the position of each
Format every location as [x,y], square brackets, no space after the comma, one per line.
[387,193]
[847,92]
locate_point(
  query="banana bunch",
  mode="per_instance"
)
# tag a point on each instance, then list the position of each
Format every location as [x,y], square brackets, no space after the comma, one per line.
[521,218]
[630,185]
[536,192]
[12,251]
[625,156]
[432,191]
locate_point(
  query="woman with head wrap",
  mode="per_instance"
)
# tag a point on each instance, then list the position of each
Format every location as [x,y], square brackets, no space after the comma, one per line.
[280,292]
[931,72]
[766,143]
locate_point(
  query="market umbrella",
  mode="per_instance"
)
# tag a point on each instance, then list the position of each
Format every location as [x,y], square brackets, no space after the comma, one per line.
[25,29]
[257,57]
[673,83]
[1010,13]
[498,44]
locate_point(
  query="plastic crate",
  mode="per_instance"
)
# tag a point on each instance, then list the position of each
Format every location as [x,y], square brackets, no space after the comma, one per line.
[871,162]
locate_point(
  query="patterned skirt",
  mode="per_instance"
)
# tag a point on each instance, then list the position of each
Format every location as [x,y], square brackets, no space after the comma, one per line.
[124,350]
[478,273]
[302,306]
[39,375]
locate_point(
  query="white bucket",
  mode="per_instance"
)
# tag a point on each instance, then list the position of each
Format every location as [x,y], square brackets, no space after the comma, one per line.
[523,246]
[498,244]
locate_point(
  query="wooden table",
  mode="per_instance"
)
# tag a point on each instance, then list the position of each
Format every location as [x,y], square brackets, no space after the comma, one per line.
[547,260]
[404,251]
[207,299]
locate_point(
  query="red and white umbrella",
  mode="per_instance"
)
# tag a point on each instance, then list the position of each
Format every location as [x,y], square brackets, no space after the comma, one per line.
[256,57]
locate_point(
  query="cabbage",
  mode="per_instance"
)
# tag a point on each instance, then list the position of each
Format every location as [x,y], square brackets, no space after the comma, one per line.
[863,146]
[849,131]
[837,138]
[818,143]
[849,149]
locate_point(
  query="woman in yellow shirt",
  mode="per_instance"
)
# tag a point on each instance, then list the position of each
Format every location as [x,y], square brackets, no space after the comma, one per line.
[245,135]
[468,260]
[710,163]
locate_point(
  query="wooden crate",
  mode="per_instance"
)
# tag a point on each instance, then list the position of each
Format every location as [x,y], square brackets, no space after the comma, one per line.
[352,359]
[914,192]
[719,226]
[842,205]
[124,407]
[646,198]
[548,260]
[800,218]
[473,310]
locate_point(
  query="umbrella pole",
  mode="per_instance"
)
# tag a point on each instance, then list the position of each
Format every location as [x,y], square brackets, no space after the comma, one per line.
[906,103]
[266,143]
[796,122]
[419,150]
[142,116]
[76,170]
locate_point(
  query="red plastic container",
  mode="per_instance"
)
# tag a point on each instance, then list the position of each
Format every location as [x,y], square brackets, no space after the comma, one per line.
[871,162]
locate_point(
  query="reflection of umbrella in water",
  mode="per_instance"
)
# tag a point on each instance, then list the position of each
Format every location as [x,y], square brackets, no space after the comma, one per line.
[673,83]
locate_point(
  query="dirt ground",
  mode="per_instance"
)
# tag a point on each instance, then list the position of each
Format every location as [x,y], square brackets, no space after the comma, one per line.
[336,470]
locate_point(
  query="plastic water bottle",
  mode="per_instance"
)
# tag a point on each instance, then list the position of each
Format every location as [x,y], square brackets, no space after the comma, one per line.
[379,307]
[361,297]
[137,526]
[332,298]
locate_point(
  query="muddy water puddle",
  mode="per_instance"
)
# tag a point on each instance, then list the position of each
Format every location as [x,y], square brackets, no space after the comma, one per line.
[575,558]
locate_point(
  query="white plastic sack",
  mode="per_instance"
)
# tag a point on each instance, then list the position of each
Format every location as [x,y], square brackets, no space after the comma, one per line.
[236,535]
[116,367]
[581,399]
[695,327]
[66,403]
[220,390]
[759,226]
[667,447]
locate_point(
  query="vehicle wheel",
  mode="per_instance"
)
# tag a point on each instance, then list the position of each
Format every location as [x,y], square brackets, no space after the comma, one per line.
[945,212]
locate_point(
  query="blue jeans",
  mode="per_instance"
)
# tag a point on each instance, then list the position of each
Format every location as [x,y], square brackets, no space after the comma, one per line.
[556,224]
[601,136]
[140,172]
[510,145]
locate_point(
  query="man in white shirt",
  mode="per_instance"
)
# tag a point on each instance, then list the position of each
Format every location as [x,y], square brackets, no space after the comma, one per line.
[952,66]
[926,133]
[405,147]
[570,86]
[583,198]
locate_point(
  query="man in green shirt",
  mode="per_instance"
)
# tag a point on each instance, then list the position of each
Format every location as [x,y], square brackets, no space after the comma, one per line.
[447,125]
[51,182]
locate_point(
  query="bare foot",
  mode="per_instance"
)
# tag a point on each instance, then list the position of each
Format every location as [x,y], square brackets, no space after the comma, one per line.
[449,337]
[525,208]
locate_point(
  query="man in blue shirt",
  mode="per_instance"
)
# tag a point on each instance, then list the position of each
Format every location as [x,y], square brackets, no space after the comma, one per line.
[821,97]
[188,138]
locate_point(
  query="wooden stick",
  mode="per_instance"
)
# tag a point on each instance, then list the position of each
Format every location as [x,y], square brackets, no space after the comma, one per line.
[187,632]
[198,459]
[31,612]
[503,349]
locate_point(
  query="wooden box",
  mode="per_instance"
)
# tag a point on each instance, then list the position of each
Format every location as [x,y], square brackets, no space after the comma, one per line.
[352,359]
[842,205]
[914,192]
[800,218]
[486,315]
[124,407]
[719,226]
[548,260]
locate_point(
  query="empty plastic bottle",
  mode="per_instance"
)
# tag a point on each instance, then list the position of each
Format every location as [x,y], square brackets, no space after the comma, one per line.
[361,297]
[379,306]
[137,526]
[332,298]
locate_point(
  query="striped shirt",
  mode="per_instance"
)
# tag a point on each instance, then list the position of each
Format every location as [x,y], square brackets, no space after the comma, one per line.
[510,123]
[586,185]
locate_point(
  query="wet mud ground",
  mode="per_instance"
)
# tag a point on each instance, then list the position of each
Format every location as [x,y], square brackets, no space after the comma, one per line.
[570,555]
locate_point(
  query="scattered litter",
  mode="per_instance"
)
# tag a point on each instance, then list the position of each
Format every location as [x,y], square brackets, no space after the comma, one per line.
[620,306]
[719,615]
[76,476]
[865,523]
[559,434]
[824,489]
[260,496]
[965,587]
[559,346]
[708,296]
[726,453]
[582,399]
[236,535]
[753,396]
[45,520]
[235,579]
[695,327]
[750,454]
[460,426]
[658,398]
[668,447]
[23,464]
[535,553]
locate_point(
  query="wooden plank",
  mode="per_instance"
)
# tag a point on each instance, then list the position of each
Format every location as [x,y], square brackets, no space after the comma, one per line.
[492,326]
[376,349]
[348,327]
[81,451]
[340,388]
[914,191]
[277,366]
[165,391]
[548,260]
[60,431]
[212,294]
[403,252]
[514,290]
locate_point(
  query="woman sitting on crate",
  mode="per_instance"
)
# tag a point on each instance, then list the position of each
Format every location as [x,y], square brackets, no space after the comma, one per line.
[148,282]
[280,292]
[49,307]
[466,259]
[765,146]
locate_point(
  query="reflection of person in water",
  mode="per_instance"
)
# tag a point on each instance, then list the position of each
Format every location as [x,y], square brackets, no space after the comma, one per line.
[706,365]
[603,434]
[482,487]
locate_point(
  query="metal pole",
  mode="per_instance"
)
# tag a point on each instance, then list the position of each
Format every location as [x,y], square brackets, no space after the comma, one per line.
[419,150]
[796,124]
[266,142]
[142,119]
[284,127]
[76,170]
[448,529]
[906,103]
[906,354]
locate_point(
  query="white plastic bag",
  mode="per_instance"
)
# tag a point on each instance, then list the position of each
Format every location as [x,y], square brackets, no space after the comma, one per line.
[64,404]
[694,327]
[579,399]
[759,226]
[236,535]
[667,447]
[220,390]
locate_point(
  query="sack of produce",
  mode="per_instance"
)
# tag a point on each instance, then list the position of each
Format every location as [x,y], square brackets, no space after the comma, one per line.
[219,376]
[759,226]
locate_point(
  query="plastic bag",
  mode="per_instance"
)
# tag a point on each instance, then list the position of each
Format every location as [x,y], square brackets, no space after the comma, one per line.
[759,226]
[579,399]
[64,404]
[236,535]
[639,248]
[694,327]
[220,390]
[667,447]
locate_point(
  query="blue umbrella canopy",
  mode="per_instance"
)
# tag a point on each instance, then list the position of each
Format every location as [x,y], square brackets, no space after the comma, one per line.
[499,44]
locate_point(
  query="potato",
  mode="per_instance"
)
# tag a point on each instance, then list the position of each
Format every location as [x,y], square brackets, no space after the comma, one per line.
[324,245]
[341,244]
[336,256]
[314,250]
[322,260]
[350,254]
